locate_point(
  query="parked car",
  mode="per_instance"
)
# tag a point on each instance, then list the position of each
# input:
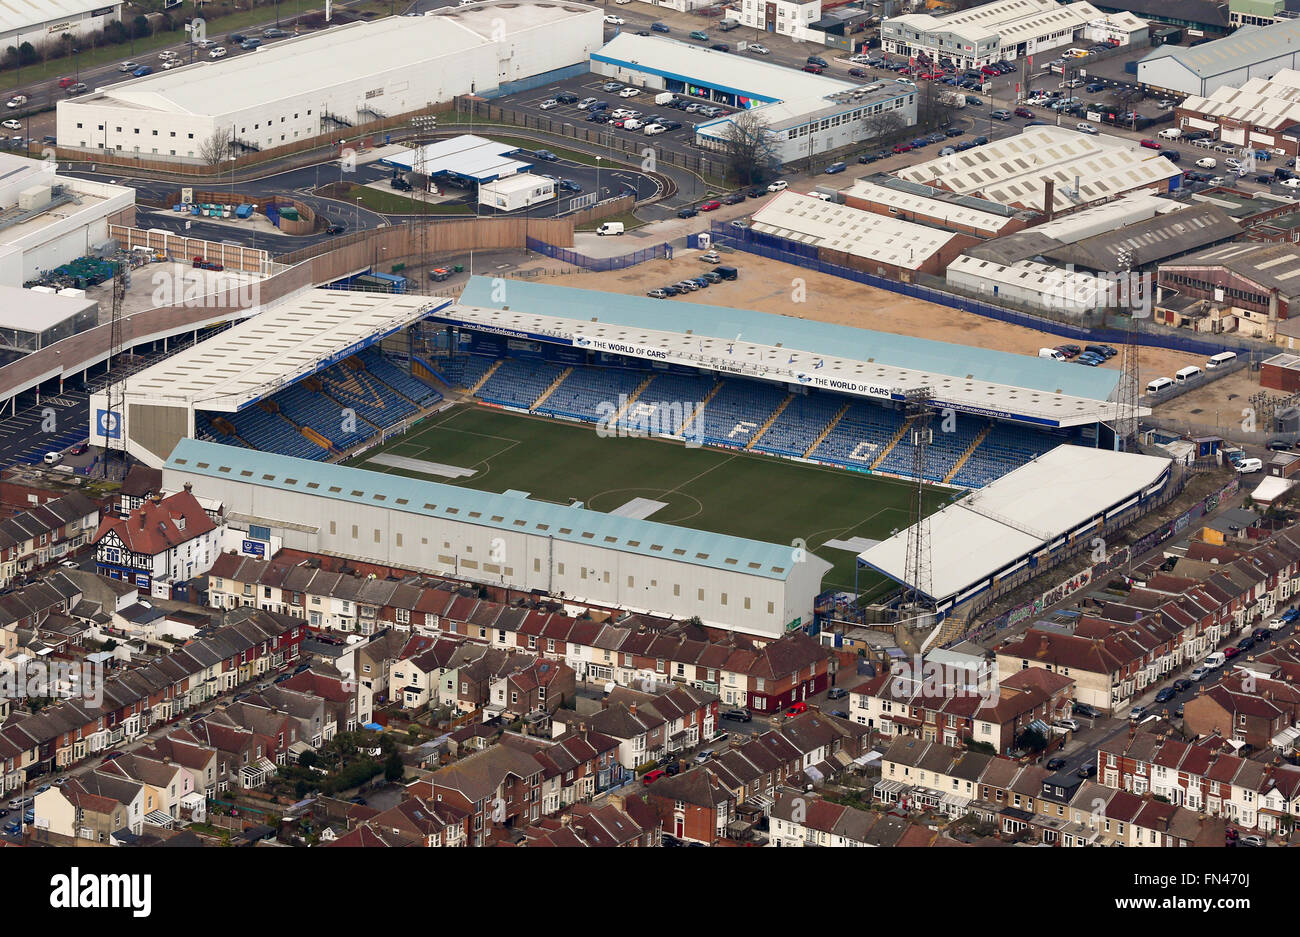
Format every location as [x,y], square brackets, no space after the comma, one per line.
[1023,112]
[711,205]
[735,198]
[1055,764]
[1200,673]
[12,124]
[1087,771]
[687,212]
[757,48]
[1165,695]
[1068,724]
[737,715]
[652,776]
[833,168]
[779,185]
[1000,114]
[1181,684]
[796,709]
[836,692]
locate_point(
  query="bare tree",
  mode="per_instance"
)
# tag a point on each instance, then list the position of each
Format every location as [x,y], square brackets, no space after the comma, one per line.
[884,128]
[750,148]
[214,149]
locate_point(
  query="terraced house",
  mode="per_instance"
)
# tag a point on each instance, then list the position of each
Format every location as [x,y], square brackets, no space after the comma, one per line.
[33,539]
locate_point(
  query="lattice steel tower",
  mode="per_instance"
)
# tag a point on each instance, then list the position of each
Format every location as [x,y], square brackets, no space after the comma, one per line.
[1126,394]
[919,408]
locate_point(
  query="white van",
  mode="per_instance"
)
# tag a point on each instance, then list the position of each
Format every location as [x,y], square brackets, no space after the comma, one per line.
[1159,384]
[1206,162]
[1170,133]
[632,123]
[1219,360]
[1051,353]
[654,129]
[610,227]
[1215,660]
[1182,375]
[53,458]
[1249,466]
[663,98]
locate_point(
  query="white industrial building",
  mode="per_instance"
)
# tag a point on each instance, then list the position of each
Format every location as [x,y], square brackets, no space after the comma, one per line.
[1027,283]
[44,21]
[1078,168]
[36,318]
[805,114]
[507,539]
[1005,30]
[1067,493]
[514,192]
[1251,52]
[887,246]
[47,220]
[331,81]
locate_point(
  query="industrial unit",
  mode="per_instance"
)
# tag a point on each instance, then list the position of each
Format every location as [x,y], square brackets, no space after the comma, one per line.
[1005,31]
[1049,169]
[805,114]
[326,82]
[47,219]
[1250,52]
[49,20]
[1260,113]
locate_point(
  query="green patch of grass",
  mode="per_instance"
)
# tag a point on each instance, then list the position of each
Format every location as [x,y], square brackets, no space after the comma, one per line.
[393,203]
[727,492]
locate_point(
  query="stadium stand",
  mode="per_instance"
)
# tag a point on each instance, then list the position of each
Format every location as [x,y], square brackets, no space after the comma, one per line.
[519,382]
[736,412]
[799,425]
[582,392]
[944,449]
[321,414]
[463,371]
[413,389]
[270,432]
[860,437]
[663,391]
[1006,448]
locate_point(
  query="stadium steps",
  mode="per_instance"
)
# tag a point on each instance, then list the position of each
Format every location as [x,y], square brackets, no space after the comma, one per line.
[486,376]
[423,371]
[225,427]
[827,431]
[889,447]
[316,437]
[970,451]
[632,398]
[789,398]
[954,626]
[700,409]
[555,384]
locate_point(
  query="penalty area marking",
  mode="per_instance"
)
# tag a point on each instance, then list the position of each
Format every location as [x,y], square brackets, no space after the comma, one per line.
[421,466]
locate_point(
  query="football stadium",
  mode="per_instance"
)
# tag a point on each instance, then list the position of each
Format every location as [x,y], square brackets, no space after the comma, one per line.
[760,435]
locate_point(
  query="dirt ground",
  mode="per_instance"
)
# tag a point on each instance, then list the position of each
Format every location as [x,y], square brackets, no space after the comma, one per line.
[768,286]
[1219,403]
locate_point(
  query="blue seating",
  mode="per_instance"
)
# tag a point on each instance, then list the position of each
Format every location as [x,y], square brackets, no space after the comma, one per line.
[267,432]
[411,388]
[799,424]
[666,403]
[322,414]
[1006,448]
[582,393]
[736,412]
[373,400]
[519,382]
[859,438]
[463,370]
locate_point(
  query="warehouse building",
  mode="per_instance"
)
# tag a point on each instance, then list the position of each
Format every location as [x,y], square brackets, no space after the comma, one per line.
[1049,169]
[910,201]
[50,20]
[1260,113]
[47,220]
[507,539]
[1005,30]
[327,82]
[1240,287]
[1250,52]
[805,114]
[1144,244]
[862,240]
[1026,283]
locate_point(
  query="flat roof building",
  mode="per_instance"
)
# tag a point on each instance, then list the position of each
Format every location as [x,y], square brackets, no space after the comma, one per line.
[805,114]
[912,201]
[1077,168]
[47,219]
[344,76]
[465,158]
[44,21]
[32,319]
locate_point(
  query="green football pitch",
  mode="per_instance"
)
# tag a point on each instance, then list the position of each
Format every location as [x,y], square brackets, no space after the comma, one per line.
[736,493]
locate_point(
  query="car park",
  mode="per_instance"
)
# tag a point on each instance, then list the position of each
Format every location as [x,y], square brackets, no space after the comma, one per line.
[548,104]
[629,92]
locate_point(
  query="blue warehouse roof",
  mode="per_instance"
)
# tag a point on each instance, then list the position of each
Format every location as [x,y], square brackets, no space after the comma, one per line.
[468,506]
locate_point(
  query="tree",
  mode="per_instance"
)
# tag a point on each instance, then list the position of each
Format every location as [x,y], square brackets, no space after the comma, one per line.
[884,127]
[749,149]
[393,768]
[214,149]
[140,27]
[931,111]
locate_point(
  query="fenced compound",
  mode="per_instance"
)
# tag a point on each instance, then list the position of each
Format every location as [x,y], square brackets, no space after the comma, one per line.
[598,264]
